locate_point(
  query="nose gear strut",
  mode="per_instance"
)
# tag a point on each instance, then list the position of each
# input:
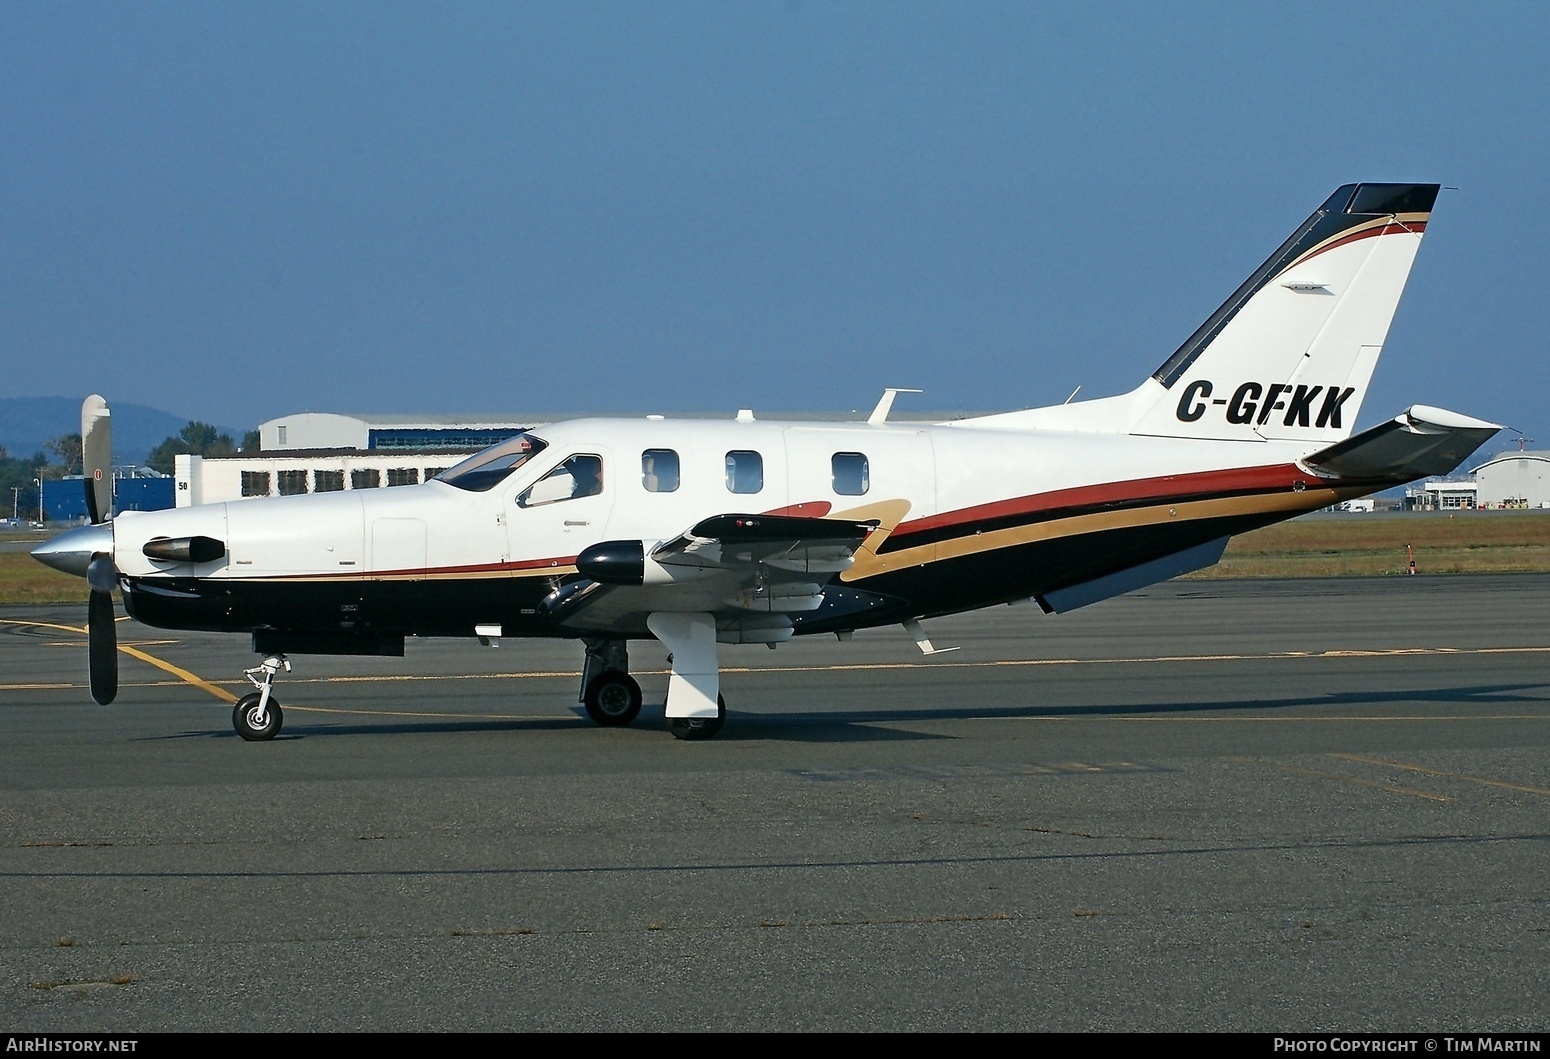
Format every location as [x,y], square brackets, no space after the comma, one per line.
[257,716]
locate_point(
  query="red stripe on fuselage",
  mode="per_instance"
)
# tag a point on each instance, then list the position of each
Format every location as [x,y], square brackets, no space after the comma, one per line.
[1174,486]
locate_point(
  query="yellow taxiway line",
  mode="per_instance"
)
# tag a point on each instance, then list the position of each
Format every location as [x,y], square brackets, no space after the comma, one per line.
[1443,773]
[182,674]
[213,688]
[1320,774]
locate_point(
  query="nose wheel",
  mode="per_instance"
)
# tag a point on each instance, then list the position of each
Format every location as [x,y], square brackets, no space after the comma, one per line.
[256,720]
[257,716]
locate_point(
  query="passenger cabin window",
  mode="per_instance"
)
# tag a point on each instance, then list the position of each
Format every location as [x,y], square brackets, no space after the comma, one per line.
[327,481]
[745,471]
[851,476]
[659,470]
[577,477]
[366,478]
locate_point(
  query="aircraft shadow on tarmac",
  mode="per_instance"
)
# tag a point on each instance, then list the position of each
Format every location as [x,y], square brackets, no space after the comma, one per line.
[863,725]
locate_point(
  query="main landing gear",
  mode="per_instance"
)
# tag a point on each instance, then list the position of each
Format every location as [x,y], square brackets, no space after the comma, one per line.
[695,708]
[613,698]
[257,716]
[699,727]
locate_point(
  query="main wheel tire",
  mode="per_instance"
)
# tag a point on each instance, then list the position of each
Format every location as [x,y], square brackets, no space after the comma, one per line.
[613,698]
[699,727]
[242,718]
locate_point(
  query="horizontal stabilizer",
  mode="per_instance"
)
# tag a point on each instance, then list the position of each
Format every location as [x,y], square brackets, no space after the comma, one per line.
[1417,443]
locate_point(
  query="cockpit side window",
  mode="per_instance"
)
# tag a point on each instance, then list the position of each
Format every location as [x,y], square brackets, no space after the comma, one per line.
[482,471]
[577,477]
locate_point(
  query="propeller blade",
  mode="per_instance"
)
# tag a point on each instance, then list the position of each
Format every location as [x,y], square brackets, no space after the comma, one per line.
[102,647]
[97,458]
[101,574]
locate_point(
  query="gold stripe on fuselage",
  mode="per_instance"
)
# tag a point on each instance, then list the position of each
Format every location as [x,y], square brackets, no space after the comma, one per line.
[1097,522]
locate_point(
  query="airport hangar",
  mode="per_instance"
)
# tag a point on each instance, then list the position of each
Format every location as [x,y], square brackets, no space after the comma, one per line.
[1508,481]
[1514,480]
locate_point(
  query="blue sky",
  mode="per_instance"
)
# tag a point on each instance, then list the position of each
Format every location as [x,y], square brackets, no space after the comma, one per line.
[238,211]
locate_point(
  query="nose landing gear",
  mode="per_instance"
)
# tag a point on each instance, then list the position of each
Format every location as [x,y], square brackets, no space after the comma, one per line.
[257,716]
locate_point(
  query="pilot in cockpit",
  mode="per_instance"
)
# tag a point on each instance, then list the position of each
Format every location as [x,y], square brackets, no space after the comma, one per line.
[587,476]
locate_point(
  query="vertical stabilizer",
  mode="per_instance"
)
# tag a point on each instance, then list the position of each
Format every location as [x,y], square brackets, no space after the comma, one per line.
[1290,354]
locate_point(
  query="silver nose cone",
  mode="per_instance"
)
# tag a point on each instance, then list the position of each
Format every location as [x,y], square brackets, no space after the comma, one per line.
[72,550]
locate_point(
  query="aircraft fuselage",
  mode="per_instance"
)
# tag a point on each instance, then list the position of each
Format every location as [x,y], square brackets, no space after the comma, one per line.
[973,516]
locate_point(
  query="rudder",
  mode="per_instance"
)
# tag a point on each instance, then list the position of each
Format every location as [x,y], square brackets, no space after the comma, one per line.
[1290,354]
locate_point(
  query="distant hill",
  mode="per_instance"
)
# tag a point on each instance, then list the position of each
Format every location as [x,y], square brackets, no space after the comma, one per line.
[26,423]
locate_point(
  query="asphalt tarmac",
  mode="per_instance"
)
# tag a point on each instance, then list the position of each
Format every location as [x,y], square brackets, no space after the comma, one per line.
[1263,806]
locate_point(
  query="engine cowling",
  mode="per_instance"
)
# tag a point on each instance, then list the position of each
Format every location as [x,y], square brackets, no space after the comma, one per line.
[630,563]
[614,562]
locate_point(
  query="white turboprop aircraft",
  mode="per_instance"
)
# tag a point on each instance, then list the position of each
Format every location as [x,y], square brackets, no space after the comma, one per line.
[699,533]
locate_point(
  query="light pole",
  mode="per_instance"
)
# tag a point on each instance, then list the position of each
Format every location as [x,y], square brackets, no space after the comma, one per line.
[16,499]
[39,483]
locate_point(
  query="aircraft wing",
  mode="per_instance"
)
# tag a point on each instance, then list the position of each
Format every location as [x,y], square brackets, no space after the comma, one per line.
[778,542]
[753,572]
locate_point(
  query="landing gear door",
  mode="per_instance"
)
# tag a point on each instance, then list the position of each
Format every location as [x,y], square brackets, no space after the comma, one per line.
[566,509]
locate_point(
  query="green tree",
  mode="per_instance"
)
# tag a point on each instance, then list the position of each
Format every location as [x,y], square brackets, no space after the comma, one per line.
[67,449]
[195,439]
[251,442]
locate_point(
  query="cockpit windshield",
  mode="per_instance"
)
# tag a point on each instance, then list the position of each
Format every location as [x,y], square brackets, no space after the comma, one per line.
[483,471]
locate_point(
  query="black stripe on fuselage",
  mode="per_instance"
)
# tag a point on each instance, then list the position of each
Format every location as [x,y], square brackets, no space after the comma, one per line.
[432,607]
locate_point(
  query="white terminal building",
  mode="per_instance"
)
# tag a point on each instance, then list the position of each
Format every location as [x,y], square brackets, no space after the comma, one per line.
[321,452]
